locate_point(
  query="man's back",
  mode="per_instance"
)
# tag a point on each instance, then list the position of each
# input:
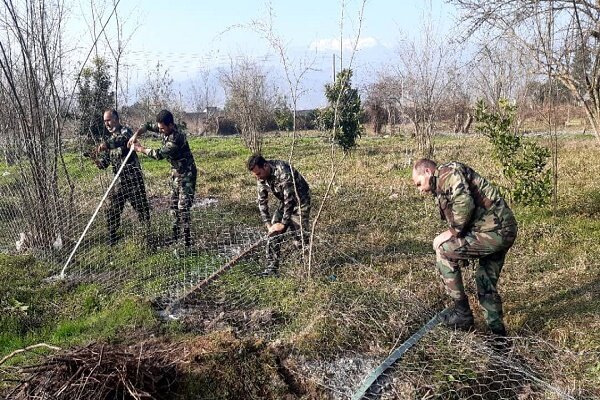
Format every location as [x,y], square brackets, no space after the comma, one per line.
[281,181]
[468,201]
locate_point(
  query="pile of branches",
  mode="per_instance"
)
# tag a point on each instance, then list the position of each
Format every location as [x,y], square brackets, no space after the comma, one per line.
[102,371]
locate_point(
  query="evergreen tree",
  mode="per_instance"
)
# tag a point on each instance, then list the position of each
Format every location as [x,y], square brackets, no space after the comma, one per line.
[344,111]
[94,97]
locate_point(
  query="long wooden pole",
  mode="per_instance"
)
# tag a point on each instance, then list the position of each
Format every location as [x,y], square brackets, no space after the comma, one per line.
[225,267]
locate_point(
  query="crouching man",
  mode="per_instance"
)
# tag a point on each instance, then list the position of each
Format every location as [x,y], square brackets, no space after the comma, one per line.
[481,226]
[293,211]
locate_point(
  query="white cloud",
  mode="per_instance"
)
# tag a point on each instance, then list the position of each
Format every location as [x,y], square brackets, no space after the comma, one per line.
[348,44]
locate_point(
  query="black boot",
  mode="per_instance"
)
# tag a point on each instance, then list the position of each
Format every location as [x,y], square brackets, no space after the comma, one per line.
[272,269]
[174,235]
[150,243]
[459,317]
[113,238]
[499,341]
[498,330]
[187,238]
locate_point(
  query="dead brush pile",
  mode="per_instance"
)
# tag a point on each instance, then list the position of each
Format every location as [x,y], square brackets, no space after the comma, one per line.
[216,366]
[101,371]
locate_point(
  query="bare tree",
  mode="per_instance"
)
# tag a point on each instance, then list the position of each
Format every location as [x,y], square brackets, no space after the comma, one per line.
[424,71]
[8,146]
[497,74]
[112,48]
[456,104]
[202,97]
[31,58]
[117,45]
[571,53]
[499,71]
[295,70]
[493,77]
[157,93]
[383,100]
[249,99]
[375,110]
[343,86]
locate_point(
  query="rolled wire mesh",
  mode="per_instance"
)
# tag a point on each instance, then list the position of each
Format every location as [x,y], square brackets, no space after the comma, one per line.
[456,365]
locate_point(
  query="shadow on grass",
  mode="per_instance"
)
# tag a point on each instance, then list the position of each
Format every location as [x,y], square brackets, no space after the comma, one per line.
[586,205]
[365,254]
[563,305]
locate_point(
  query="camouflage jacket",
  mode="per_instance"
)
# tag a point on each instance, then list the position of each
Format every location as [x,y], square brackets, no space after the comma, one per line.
[175,149]
[468,202]
[280,183]
[116,152]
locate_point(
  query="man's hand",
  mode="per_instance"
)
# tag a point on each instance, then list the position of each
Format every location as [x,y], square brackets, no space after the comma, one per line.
[138,147]
[102,147]
[93,155]
[276,228]
[441,238]
[132,140]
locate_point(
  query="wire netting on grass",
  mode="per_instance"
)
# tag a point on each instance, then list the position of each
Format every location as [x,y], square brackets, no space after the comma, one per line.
[336,317]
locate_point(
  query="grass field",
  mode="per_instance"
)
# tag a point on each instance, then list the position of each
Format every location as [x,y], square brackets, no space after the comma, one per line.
[373,282]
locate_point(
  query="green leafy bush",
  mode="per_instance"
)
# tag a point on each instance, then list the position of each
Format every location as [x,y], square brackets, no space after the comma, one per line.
[524,162]
[344,111]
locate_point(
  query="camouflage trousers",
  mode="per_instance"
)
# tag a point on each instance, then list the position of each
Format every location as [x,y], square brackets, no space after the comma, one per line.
[300,222]
[128,188]
[183,189]
[490,248]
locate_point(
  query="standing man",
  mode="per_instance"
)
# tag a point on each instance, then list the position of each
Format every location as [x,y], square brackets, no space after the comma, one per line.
[176,150]
[481,226]
[293,212]
[130,185]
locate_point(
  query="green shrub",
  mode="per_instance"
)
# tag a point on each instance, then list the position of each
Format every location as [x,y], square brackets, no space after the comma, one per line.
[344,111]
[523,161]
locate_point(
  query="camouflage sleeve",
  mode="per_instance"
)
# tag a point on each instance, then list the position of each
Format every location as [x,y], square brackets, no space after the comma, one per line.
[170,149]
[158,154]
[263,202]
[289,198]
[150,126]
[118,140]
[103,160]
[155,153]
[461,204]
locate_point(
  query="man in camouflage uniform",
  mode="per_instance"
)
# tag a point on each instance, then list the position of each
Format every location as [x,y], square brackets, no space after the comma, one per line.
[130,185]
[176,150]
[482,226]
[293,212]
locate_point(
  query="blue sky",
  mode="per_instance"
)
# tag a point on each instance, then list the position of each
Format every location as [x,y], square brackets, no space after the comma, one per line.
[187,35]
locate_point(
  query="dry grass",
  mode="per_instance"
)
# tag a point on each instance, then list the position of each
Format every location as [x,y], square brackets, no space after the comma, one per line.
[374,282]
